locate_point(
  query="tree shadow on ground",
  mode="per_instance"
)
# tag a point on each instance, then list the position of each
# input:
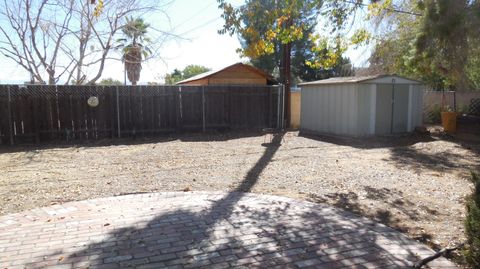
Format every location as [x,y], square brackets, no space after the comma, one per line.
[209,136]
[370,142]
[416,160]
[467,138]
[232,232]
[393,202]
[404,155]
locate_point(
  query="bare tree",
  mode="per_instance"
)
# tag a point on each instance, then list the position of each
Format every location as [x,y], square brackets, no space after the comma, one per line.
[31,41]
[65,40]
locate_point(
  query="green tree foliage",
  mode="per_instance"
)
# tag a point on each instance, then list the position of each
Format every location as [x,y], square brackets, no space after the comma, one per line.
[342,68]
[174,77]
[439,45]
[193,70]
[264,26]
[188,72]
[473,68]
[110,81]
[442,38]
[472,224]
[394,51]
[134,47]
[304,53]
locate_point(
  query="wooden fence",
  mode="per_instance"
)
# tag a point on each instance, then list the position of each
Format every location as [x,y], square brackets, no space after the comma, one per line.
[42,113]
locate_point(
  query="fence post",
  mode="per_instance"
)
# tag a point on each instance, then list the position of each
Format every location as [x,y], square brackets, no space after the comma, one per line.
[455,101]
[35,115]
[282,122]
[10,124]
[228,93]
[269,108]
[118,112]
[178,108]
[278,106]
[203,109]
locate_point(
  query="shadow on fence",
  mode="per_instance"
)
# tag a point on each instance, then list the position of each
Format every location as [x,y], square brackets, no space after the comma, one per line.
[208,136]
[45,113]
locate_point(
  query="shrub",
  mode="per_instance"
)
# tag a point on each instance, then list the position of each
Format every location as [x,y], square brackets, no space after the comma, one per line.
[434,114]
[463,109]
[472,225]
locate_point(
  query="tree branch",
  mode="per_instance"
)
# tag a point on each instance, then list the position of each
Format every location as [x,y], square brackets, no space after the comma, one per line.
[442,252]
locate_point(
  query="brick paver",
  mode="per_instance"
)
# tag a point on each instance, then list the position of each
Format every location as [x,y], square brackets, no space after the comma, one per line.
[201,230]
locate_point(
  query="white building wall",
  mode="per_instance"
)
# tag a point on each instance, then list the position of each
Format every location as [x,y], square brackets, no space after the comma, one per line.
[330,109]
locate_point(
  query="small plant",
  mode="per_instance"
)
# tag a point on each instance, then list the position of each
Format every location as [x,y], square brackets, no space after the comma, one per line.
[472,225]
[434,115]
[464,109]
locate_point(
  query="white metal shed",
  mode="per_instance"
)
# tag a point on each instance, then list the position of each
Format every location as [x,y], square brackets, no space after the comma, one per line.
[360,106]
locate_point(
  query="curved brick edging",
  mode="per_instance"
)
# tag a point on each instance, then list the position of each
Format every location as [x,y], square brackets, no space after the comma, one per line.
[201,229]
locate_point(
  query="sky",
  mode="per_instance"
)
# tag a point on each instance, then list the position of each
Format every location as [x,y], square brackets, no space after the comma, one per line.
[196,23]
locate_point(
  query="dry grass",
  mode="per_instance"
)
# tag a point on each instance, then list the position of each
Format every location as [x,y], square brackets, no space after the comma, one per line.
[414,184]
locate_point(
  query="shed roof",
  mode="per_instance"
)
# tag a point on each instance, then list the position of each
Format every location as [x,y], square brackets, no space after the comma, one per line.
[270,79]
[363,79]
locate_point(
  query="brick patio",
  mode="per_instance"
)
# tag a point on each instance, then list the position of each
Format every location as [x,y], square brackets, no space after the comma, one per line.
[201,230]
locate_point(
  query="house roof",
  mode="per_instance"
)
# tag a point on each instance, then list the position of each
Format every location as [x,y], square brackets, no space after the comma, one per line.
[211,73]
[362,79]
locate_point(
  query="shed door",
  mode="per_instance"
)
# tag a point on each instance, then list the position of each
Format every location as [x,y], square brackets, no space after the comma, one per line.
[384,109]
[400,108]
[391,109]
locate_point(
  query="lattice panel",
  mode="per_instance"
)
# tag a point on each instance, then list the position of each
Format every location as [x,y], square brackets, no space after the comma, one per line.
[475,107]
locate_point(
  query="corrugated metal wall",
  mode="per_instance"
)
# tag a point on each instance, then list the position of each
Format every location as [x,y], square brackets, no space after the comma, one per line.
[330,109]
[353,109]
[417,106]
[366,106]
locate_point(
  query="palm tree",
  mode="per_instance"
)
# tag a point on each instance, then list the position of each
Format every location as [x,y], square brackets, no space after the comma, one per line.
[133,47]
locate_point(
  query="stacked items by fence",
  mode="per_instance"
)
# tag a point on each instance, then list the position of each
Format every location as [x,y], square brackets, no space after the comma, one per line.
[463,102]
[42,113]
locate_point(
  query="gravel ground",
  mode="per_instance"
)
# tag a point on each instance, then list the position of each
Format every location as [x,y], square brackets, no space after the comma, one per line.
[416,184]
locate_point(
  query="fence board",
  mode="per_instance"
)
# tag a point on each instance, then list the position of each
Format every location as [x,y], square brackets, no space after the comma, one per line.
[191,106]
[42,113]
[4,115]
[22,114]
[216,108]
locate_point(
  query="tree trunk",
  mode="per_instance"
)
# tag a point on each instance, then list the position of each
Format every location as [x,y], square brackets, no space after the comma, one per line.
[133,63]
[287,54]
[51,77]
[285,78]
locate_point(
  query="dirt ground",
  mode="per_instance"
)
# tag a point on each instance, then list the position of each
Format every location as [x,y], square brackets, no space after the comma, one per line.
[416,184]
